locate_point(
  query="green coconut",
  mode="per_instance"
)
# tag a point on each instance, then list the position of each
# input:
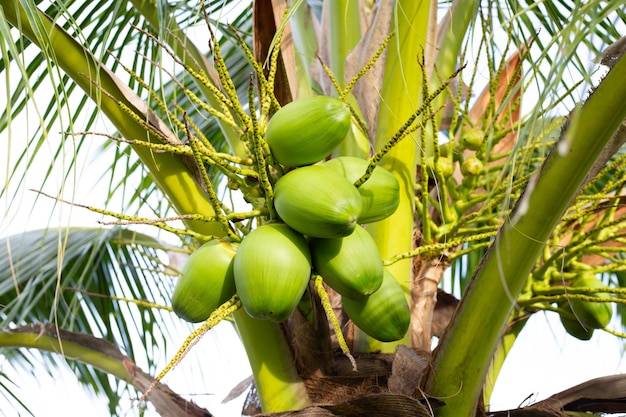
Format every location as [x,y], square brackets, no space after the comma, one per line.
[206,281]
[351,265]
[317,202]
[384,315]
[574,328]
[592,314]
[380,194]
[307,130]
[272,269]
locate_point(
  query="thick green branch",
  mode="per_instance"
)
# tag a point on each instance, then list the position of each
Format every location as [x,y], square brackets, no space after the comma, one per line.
[460,363]
[103,355]
[278,384]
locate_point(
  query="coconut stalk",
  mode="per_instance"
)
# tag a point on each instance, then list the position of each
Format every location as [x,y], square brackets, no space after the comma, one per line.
[451,33]
[401,89]
[305,49]
[429,272]
[465,351]
[341,31]
[340,34]
[278,384]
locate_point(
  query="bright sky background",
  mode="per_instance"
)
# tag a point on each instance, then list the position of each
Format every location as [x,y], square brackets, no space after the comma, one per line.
[544,360]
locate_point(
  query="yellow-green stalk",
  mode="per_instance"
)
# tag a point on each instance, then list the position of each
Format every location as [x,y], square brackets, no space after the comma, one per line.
[400,98]
[278,384]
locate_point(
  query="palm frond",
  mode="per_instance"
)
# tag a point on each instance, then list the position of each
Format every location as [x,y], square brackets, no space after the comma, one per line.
[569,36]
[74,278]
[126,162]
[7,388]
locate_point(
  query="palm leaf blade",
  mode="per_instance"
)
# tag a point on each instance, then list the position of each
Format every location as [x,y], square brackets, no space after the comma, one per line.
[68,276]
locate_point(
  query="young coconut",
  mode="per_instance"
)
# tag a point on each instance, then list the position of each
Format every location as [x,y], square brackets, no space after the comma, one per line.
[591,314]
[472,166]
[472,139]
[317,202]
[272,269]
[380,193]
[574,328]
[206,282]
[307,130]
[351,265]
[384,315]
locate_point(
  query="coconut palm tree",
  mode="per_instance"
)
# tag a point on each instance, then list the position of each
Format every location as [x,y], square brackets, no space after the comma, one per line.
[520,203]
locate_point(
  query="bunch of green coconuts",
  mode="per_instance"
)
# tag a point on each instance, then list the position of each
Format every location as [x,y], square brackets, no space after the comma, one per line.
[318,231]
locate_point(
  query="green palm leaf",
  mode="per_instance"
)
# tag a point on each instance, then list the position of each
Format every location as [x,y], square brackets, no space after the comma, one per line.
[69,276]
[570,36]
[6,391]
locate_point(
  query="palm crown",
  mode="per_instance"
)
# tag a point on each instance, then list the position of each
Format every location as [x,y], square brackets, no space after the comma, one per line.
[518,201]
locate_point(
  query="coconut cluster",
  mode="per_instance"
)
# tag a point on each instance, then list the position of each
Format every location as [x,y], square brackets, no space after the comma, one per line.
[319,231]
